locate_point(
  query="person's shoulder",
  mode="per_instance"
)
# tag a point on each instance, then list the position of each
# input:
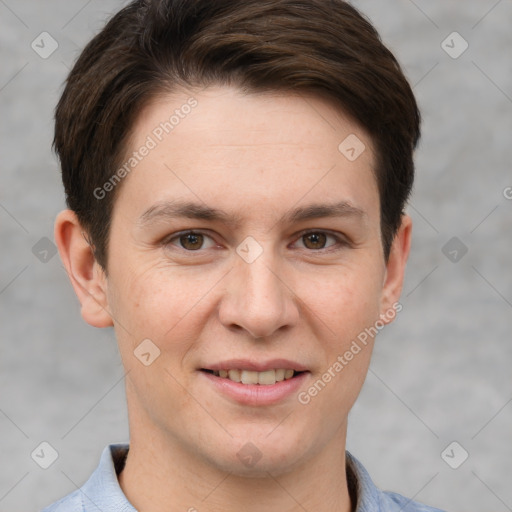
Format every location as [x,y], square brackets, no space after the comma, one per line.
[371,499]
[101,490]
[394,502]
[70,503]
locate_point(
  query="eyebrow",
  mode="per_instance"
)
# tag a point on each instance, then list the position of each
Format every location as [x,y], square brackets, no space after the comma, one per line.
[169,210]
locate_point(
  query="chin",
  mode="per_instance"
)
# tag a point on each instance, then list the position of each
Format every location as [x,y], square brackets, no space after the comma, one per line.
[257,456]
[276,464]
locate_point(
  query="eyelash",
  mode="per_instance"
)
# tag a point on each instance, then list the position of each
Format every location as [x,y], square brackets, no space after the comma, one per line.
[340,242]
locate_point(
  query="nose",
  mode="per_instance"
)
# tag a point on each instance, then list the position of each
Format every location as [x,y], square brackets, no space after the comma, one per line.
[258,298]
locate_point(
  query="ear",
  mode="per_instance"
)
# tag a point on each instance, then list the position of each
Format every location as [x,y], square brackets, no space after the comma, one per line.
[395,269]
[85,273]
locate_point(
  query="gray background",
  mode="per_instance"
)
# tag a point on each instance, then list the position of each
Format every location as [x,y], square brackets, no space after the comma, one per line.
[440,373]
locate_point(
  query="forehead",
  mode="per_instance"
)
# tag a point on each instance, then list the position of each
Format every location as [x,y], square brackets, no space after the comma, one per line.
[223,147]
[223,113]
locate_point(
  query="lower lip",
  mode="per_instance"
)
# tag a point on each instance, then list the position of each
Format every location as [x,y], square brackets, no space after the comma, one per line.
[257,394]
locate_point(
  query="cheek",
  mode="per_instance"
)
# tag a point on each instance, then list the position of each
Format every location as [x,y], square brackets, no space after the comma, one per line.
[348,305]
[158,303]
[345,300]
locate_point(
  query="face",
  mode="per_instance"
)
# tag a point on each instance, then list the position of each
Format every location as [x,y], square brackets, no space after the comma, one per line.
[245,239]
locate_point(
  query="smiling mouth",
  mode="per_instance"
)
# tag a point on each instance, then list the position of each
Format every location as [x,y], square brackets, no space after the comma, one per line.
[266,378]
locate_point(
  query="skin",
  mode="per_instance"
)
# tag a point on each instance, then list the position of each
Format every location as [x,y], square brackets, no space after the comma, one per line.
[256,156]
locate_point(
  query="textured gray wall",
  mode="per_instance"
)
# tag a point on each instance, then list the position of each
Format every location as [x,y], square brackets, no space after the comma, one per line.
[440,373]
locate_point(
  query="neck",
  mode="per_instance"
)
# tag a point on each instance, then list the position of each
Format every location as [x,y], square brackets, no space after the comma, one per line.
[160,474]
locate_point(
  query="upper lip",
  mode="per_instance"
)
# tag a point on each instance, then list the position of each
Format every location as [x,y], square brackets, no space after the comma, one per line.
[256,366]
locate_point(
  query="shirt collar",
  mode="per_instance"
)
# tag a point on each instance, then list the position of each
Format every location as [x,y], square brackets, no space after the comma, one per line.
[103,486]
[361,486]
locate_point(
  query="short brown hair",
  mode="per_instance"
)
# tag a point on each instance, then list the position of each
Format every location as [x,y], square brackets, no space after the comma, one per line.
[155,46]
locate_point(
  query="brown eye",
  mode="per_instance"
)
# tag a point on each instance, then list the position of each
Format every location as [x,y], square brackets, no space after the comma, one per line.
[191,241]
[315,240]
[318,241]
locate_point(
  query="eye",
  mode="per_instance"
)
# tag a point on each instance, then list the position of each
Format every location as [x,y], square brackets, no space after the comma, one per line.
[189,240]
[194,241]
[316,240]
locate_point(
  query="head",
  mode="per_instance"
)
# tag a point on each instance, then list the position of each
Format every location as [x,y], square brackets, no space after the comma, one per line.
[262,114]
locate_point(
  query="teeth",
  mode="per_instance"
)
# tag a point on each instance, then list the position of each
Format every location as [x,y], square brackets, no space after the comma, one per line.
[234,375]
[280,374]
[249,377]
[266,378]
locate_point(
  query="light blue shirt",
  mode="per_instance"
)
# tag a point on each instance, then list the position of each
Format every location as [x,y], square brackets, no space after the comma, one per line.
[103,493]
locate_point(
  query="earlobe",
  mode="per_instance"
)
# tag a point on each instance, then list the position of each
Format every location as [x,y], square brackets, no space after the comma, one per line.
[395,269]
[86,275]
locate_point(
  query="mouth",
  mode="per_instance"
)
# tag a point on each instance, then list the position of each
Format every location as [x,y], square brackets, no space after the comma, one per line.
[250,377]
[253,382]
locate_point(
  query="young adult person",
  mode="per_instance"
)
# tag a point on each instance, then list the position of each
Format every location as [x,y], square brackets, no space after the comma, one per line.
[236,173]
